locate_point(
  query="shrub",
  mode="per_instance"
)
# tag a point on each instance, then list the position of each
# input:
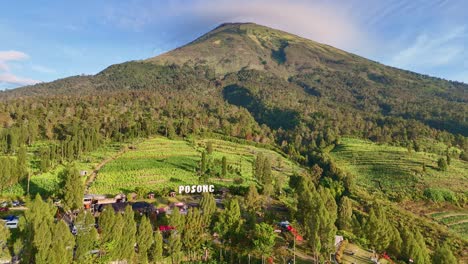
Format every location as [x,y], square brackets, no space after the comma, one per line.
[440,195]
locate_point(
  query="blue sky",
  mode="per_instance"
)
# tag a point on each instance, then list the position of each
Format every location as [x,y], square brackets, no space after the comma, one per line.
[47,40]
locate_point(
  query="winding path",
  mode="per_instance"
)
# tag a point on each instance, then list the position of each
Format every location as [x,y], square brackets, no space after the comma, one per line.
[93,175]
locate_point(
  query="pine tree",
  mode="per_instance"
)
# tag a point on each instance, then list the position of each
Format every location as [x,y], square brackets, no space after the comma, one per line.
[193,235]
[224,167]
[443,255]
[208,208]
[177,220]
[378,229]
[258,168]
[317,212]
[86,238]
[157,248]
[4,237]
[35,228]
[42,242]
[345,213]
[170,130]
[414,247]
[263,239]
[230,222]
[128,238]
[396,242]
[442,164]
[22,163]
[175,247]
[111,225]
[209,147]
[62,245]
[72,188]
[144,239]
[252,200]
[203,164]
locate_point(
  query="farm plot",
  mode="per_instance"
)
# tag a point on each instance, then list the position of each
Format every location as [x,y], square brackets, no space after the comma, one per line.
[395,169]
[457,221]
[47,183]
[160,163]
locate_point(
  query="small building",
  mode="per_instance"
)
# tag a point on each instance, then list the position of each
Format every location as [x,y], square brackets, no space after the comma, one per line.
[338,240]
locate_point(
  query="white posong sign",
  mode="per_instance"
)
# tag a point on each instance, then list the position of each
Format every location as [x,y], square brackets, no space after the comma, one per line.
[196,188]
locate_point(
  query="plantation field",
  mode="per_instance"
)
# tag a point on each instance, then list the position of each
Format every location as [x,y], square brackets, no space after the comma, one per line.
[47,183]
[160,163]
[457,221]
[395,170]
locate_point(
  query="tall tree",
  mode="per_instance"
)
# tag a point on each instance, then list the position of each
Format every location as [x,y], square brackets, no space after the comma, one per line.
[208,208]
[224,167]
[36,229]
[252,200]
[157,248]
[72,188]
[86,238]
[62,244]
[317,212]
[175,248]
[112,226]
[442,164]
[22,163]
[128,238]
[414,247]
[345,212]
[203,163]
[144,239]
[4,237]
[443,255]
[209,147]
[194,233]
[177,220]
[378,228]
[264,237]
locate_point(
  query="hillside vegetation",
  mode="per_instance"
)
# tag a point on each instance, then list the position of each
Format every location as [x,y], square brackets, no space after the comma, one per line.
[297,130]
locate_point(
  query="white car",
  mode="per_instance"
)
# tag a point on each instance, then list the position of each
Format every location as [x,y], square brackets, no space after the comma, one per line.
[12,224]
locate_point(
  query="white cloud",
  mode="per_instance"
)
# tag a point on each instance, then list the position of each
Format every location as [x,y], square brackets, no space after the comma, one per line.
[432,50]
[10,78]
[12,55]
[6,76]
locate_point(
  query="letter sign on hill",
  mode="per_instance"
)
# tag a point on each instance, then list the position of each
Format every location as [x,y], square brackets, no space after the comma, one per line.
[196,188]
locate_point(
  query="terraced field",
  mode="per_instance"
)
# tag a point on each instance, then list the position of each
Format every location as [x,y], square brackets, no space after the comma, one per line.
[457,221]
[395,169]
[163,163]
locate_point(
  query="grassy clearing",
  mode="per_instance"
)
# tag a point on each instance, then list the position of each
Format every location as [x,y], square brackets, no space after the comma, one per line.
[159,163]
[396,169]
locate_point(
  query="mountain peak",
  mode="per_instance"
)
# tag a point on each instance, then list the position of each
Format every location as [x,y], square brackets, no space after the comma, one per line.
[231,47]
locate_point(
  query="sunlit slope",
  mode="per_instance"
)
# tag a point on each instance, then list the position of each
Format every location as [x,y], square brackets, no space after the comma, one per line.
[398,172]
[160,164]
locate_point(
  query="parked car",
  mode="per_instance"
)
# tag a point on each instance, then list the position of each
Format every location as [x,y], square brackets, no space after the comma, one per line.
[4,209]
[4,204]
[10,218]
[12,224]
[16,203]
